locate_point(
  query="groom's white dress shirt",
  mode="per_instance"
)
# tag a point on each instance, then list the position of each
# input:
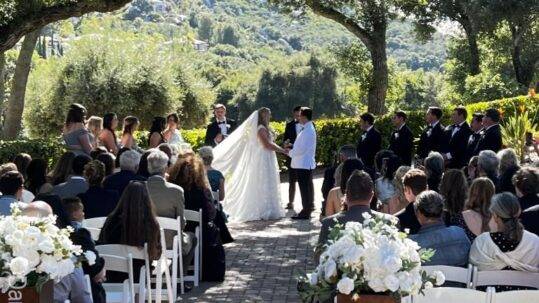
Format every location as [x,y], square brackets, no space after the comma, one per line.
[304,149]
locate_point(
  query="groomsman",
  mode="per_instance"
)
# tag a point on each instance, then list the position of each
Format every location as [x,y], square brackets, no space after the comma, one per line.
[220,128]
[370,142]
[291,132]
[402,139]
[303,162]
[491,136]
[433,136]
[457,136]
[476,126]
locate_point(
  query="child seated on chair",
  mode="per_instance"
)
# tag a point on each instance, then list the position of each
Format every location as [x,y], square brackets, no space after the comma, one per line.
[81,236]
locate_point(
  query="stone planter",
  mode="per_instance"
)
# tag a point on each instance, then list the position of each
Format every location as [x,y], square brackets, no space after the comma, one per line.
[340,298]
[29,294]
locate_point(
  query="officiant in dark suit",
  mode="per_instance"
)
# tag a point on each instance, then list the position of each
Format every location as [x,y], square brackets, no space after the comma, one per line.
[491,136]
[370,141]
[402,138]
[220,128]
[291,132]
[433,135]
[456,137]
[476,126]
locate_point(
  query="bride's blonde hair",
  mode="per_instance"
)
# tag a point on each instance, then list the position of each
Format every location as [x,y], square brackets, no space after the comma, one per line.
[263,116]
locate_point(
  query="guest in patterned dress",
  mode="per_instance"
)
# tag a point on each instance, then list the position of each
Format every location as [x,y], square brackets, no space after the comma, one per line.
[510,247]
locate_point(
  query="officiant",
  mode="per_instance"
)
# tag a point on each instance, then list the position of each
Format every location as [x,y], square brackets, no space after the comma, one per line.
[220,128]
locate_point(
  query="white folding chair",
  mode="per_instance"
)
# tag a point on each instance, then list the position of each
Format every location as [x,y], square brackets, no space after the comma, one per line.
[120,292]
[161,268]
[195,216]
[96,222]
[94,232]
[505,277]
[135,253]
[175,254]
[452,295]
[453,273]
[88,286]
[516,296]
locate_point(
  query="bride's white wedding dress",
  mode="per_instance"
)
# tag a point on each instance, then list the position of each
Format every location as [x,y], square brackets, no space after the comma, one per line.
[251,175]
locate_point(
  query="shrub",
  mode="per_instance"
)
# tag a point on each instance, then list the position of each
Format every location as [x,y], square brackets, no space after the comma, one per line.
[47,149]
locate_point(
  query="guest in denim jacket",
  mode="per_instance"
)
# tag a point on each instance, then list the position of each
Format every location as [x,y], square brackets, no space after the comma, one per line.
[451,244]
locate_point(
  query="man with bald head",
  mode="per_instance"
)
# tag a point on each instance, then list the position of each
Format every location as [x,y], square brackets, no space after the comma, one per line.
[37,209]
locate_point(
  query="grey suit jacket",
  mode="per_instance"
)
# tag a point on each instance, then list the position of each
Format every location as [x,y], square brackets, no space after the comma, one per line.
[169,202]
[71,188]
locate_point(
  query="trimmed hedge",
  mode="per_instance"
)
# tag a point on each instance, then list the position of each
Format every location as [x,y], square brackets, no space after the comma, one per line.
[332,133]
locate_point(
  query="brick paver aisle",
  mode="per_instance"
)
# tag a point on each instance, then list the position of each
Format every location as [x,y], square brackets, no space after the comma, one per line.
[264,261]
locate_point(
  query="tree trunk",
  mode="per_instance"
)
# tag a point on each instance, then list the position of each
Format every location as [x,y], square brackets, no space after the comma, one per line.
[379,78]
[15,106]
[516,50]
[2,76]
[471,36]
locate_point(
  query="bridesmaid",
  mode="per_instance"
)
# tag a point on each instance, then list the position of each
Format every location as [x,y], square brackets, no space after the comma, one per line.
[75,134]
[128,140]
[172,134]
[95,126]
[108,135]
[156,132]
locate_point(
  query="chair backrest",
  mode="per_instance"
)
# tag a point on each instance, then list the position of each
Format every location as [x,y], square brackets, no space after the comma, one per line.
[170,224]
[516,296]
[191,215]
[124,250]
[121,264]
[452,273]
[94,232]
[452,295]
[505,277]
[97,222]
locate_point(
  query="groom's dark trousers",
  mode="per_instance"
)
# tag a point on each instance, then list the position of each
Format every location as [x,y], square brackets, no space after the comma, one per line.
[306,188]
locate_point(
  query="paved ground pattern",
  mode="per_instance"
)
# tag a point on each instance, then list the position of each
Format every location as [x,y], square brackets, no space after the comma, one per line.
[265,259]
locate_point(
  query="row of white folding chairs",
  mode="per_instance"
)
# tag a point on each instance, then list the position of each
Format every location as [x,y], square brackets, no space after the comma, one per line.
[466,295]
[474,278]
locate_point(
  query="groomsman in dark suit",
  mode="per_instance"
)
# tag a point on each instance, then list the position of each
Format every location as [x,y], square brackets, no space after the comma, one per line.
[457,136]
[291,132]
[402,139]
[370,142]
[491,136]
[432,137]
[476,126]
[220,128]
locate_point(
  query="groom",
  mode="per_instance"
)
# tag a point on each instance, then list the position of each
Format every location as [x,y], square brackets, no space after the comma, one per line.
[220,128]
[303,162]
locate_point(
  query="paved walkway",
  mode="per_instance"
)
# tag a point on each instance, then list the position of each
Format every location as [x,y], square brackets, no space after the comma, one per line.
[265,259]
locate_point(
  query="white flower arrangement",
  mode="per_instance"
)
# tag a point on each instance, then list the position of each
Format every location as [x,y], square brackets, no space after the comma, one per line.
[34,250]
[373,257]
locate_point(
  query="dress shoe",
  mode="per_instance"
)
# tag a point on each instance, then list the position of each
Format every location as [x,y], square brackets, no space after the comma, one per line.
[301,216]
[289,206]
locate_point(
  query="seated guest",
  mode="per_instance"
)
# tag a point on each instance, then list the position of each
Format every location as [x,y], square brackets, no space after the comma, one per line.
[36,181]
[129,161]
[81,236]
[471,170]
[508,167]
[477,214]
[22,161]
[11,186]
[332,175]
[449,242]
[75,184]
[188,172]
[120,152]
[133,223]
[97,201]
[108,160]
[359,193]
[72,287]
[98,151]
[453,189]
[434,168]
[168,199]
[526,181]
[26,196]
[215,177]
[399,202]
[510,247]
[385,188]
[62,169]
[334,203]
[414,182]
[487,166]
[143,164]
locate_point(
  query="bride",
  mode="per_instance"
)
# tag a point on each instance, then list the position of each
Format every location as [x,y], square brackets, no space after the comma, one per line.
[248,161]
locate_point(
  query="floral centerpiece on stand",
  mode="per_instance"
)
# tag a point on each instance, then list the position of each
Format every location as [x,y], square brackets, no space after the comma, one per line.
[369,258]
[34,251]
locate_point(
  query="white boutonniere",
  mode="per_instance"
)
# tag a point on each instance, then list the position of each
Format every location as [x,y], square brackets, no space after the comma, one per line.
[363,137]
[396,135]
[429,132]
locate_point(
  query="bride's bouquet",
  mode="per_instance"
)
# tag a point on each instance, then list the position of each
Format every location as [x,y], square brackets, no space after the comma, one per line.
[373,257]
[34,251]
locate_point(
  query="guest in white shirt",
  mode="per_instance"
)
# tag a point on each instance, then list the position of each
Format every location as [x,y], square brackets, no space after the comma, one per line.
[303,162]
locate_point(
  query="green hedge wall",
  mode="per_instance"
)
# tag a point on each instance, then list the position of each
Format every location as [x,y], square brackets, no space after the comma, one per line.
[332,133]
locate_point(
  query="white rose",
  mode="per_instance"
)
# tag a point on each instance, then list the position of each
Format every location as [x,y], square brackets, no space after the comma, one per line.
[330,269]
[391,282]
[65,267]
[345,285]
[428,285]
[313,278]
[48,265]
[353,254]
[377,285]
[440,278]
[90,257]
[46,246]
[31,256]
[19,266]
